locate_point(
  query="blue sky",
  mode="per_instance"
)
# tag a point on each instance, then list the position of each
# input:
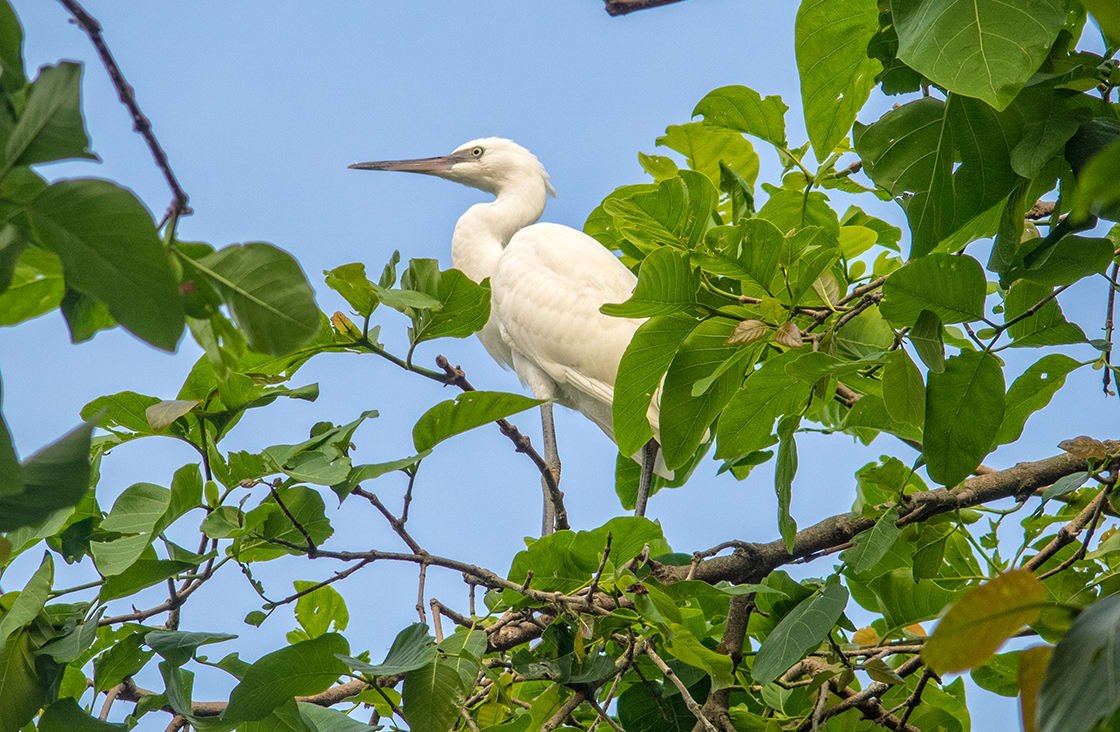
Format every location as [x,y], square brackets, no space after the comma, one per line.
[261,106]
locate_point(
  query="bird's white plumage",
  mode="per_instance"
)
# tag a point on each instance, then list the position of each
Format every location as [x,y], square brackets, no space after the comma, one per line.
[547,281]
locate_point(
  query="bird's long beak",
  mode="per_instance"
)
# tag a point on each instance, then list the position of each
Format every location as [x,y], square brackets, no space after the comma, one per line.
[431,166]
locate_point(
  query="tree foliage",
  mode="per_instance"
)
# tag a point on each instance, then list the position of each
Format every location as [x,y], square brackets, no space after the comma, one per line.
[770,312]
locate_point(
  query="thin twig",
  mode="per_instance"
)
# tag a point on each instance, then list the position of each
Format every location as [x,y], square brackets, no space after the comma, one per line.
[602,714]
[180,201]
[1108,326]
[456,377]
[625,7]
[671,676]
[437,622]
[337,576]
[396,523]
[420,592]
[599,572]
[916,697]
[311,548]
[1069,532]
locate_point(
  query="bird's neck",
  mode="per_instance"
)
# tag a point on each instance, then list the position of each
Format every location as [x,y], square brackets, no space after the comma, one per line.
[484,230]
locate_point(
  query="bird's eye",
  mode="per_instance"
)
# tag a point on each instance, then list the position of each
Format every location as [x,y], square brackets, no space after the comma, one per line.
[477,152]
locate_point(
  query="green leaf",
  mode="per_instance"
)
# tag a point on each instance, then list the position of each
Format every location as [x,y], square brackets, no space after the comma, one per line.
[85,316]
[27,604]
[66,716]
[1031,392]
[980,48]
[666,285]
[685,419]
[140,574]
[412,649]
[11,47]
[11,480]
[468,410]
[324,719]
[1044,135]
[748,420]
[268,520]
[116,555]
[1046,327]
[350,281]
[925,336]
[951,287]
[904,392]
[964,410]
[685,646]
[178,647]
[645,361]
[319,609]
[302,669]
[432,697]
[50,128]
[323,459]
[999,674]
[123,659]
[464,305]
[162,414]
[831,39]
[19,683]
[743,109]
[35,285]
[267,294]
[982,619]
[799,632]
[1078,691]
[110,251]
[137,509]
[677,214]
[1072,258]
[54,478]
[784,471]
[1065,484]
[760,250]
[707,147]
[873,544]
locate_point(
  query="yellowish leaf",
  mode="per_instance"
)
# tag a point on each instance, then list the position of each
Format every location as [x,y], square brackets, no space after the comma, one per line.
[1032,670]
[982,619]
[866,637]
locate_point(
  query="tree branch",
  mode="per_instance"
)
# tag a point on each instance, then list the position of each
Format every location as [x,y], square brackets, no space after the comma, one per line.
[625,7]
[180,201]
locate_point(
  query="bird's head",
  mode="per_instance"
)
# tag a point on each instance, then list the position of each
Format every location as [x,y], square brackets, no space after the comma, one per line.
[489,163]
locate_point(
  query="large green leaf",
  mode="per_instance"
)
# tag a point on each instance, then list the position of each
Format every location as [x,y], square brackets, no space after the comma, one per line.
[110,251]
[951,287]
[872,545]
[831,38]
[412,649]
[269,520]
[677,214]
[35,287]
[137,509]
[1070,259]
[1080,688]
[267,294]
[465,412]
[302,669]
[645,361]
[1046,327]
[123,659]
[706,147]
[27,604]
[685,417]
[742,108]
[904,393]
[980,48]
[19,684]
[666,284]
[1097,188]
[11,47]
[464,305]
[799,632]
[56,477]
[11,480]
[51,127]
[432,696]
[178,646]
[747,422]
[66,716]
[964,410]
[1031,392]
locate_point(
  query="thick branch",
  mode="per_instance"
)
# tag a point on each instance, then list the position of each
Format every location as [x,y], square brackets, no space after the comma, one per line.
[751,562]
[624,7]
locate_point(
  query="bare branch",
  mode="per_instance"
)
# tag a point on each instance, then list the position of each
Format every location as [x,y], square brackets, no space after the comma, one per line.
[671,676]
[625,7]
[180,201]
[521,443]
[337,576]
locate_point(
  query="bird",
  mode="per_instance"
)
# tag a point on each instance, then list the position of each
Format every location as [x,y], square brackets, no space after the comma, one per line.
[547,284]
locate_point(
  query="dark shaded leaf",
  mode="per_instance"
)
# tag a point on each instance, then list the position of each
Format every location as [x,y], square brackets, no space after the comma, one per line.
[51,127]
[1078,691]
[302,669]
[55,477]
[964,410]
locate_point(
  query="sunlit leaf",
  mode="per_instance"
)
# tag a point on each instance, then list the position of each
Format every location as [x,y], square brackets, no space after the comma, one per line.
[468,410]
[51,127]
[742,108]
[666,284]
[982,620]
[953,288]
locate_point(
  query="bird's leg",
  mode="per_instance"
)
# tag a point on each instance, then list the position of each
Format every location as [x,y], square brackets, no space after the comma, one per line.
[552,460]
[649,458]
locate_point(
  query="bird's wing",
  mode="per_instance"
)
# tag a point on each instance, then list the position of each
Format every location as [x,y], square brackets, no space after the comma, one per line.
[547,289]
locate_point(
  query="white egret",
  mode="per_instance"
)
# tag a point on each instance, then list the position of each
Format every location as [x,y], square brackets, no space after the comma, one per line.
[547,283]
